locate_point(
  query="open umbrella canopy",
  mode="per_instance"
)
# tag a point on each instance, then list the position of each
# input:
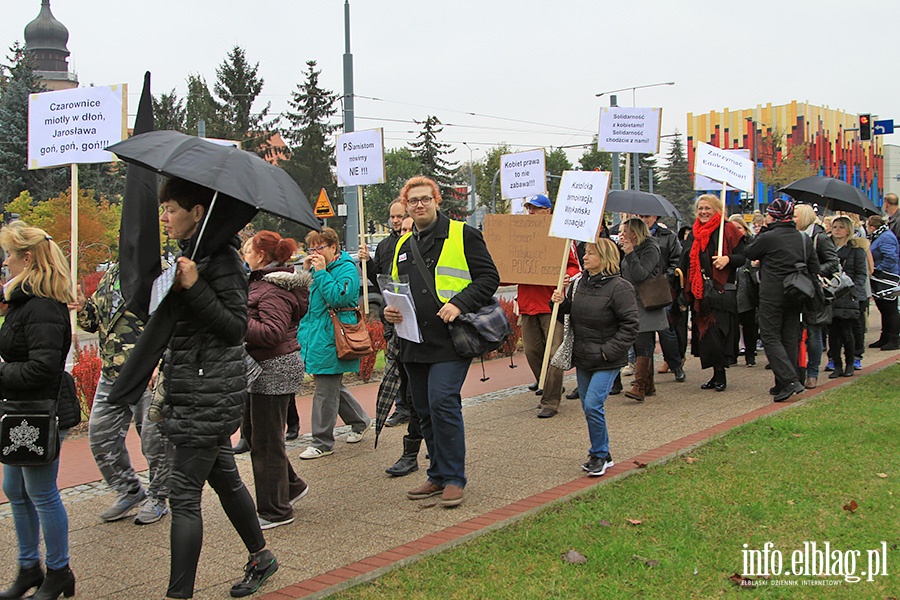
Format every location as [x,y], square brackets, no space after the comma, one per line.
[236,173]
[640,203]
[831,193]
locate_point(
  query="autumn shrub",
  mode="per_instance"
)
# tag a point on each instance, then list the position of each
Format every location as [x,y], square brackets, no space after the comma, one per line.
[90,282]
[376,333]
[86,372]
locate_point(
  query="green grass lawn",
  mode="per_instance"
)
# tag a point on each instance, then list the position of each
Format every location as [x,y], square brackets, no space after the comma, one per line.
[784,479]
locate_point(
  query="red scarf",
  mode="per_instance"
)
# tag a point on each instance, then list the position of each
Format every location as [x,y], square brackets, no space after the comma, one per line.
[702,234]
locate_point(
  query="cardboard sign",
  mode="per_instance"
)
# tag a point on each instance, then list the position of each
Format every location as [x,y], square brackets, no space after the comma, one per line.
[74,126]
[521,248]
[705,184]
[360,157]
[723,166]
[629,130]
[579,205]
[523,174]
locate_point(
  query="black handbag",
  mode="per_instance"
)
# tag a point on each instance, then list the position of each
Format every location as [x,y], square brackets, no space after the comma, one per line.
[473,334]
[798,285]
[29,432]
[716,299]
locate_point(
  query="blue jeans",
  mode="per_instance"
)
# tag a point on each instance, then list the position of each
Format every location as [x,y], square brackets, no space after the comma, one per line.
[436,397]
[36,507]
[814,339]
[593,387]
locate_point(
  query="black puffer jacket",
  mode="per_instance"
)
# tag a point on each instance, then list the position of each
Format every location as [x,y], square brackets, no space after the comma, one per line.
[779,247]
[205,377]
[34,342]
[603,316]
[856,266]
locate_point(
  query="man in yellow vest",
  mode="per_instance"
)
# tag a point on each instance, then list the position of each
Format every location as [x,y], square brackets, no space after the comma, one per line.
[455,274]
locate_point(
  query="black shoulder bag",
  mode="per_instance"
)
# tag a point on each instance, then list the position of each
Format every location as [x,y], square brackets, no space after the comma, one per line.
[472,334]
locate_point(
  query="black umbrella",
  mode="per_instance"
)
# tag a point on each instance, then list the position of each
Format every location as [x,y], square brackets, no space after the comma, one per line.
[640,203]
[831,193]
[233,172]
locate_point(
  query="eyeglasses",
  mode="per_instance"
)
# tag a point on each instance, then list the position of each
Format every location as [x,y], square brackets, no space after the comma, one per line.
[319,248]
[424,201]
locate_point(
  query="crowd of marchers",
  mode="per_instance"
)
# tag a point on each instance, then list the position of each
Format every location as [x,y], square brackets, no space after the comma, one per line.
[248,324]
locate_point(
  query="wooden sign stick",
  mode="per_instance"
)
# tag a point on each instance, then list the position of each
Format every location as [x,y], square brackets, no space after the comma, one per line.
[722,224]
[559,286]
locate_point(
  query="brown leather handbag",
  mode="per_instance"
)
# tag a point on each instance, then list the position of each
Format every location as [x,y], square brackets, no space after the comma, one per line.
[655,292]
[351,340]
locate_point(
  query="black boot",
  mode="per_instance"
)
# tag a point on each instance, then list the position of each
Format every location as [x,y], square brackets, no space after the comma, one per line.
[57,581]
[31,577]
[892,343]
[408,463]
[617,385]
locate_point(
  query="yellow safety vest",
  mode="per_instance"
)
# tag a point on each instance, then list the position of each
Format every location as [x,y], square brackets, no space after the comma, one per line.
[451,275]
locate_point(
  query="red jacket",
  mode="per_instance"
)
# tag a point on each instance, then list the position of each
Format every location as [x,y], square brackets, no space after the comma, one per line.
[535,299]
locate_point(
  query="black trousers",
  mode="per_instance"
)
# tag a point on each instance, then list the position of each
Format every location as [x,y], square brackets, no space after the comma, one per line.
[192,467]
[779,327]
[275,479]
[750,331]
[840,337]
[890,318]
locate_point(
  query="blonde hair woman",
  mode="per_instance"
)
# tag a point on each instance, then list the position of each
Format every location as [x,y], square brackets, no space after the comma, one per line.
[34,341]
[603,315]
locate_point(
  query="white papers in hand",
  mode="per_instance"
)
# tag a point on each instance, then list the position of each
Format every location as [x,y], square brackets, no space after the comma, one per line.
[161,287]
[408,329]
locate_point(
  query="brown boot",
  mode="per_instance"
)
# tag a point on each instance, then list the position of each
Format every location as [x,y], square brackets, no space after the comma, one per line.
[649,385]
[638,390]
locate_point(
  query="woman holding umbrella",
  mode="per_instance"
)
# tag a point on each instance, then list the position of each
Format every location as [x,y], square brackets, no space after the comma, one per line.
[710,288]
[886,254]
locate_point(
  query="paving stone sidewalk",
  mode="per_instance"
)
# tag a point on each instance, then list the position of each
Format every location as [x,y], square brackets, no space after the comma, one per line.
[355,511]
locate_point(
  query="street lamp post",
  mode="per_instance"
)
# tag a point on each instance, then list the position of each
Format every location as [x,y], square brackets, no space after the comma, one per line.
[471,218]
[616,185]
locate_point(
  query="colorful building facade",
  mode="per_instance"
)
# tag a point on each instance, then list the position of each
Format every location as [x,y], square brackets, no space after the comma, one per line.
[828,138]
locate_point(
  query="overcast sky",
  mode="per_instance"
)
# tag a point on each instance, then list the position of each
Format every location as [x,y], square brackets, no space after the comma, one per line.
[529,71]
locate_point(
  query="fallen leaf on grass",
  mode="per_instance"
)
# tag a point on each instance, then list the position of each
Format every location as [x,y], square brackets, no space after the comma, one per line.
[791,502]
[797,434]
[634,521]
[882,475]
[640,465]
[605,523]
[647,561]
[852,506]
[691,460]
[574,558]
[741,580]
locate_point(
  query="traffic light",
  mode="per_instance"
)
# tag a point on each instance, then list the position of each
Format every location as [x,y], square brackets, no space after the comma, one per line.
[371,227]
[865,128]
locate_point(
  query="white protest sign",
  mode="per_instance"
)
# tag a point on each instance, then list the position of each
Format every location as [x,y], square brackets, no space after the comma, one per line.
[705,184]
[579,205]
[724,166]
[523,174]
[360,157]
[629,130]
[74,126]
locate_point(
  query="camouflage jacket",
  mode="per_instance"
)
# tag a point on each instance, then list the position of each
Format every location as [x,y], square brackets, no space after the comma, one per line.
[104,312]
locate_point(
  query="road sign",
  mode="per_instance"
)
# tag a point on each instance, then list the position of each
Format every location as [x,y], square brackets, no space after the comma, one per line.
[324,209]
[883,127]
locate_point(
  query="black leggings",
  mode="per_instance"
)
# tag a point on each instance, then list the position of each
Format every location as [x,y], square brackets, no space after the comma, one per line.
[890,318]
[840,337]
[191,468]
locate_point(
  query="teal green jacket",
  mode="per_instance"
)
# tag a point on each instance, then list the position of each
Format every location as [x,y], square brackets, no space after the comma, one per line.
[336,286]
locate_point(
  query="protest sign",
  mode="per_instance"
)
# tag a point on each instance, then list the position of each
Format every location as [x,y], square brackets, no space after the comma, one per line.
[360,157]
[579,205]
[74,126]
[629,130]
[521,248]
[523,174]
[723,166]
[705,184]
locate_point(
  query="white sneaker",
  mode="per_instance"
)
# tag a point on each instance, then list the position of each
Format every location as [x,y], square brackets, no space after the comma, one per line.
[313,452]
[628,370]
[266,524]
[357,436]
[301,495]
